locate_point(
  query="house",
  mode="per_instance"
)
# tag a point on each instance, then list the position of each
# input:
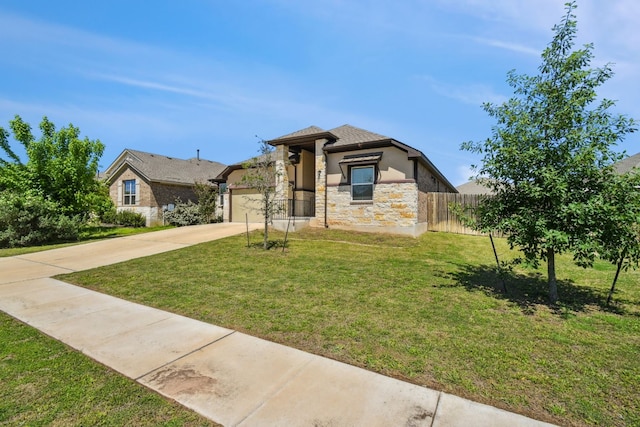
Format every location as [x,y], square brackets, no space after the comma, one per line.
[148,183]
[474,187]
[628,164]
[345,177]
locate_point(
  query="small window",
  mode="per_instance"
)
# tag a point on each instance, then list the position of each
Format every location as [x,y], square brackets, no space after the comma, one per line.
[222,188]
[362,178]
[129,192]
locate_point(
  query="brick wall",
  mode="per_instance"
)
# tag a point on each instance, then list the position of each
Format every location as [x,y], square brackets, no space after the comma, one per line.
[150,197]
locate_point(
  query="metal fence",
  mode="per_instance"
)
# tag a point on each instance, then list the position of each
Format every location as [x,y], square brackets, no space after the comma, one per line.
[294,208]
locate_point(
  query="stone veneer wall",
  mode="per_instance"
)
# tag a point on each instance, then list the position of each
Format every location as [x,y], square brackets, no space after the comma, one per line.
[394,205]
[321,171]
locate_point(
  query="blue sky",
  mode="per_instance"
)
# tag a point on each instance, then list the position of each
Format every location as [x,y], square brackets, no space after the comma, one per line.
[171,77]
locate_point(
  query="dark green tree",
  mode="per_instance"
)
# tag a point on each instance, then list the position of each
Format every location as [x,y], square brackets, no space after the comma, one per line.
[61,167]
[549,158]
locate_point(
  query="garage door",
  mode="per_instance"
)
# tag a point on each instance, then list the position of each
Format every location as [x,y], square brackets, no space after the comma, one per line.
[245,202]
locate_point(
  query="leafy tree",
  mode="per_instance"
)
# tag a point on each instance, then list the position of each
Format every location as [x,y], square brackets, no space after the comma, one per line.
[549,157]
[60,167]
[262,175]
[619,235]
[207,195]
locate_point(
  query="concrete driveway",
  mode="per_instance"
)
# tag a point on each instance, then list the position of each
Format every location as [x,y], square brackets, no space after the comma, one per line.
[232,378]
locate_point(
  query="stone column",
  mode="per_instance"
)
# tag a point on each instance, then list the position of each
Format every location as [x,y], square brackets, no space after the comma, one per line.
[282,179]
[320,176]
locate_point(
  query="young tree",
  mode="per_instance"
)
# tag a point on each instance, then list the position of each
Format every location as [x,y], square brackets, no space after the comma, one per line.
[61,167]
[619,214]
[549,157]
[262,175]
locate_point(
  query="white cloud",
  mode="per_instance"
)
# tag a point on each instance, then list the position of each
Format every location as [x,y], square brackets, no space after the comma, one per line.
[514,47]
[472,94]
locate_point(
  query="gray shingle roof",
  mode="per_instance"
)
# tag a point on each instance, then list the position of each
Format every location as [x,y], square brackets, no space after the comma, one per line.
[348,135]
[625,165]
[473,187]
[311,130]
[160,168]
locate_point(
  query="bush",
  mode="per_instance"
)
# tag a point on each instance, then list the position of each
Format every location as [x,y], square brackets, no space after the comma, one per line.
[109,216]
[29,220]
[125,218]
[130,219]
[184,214]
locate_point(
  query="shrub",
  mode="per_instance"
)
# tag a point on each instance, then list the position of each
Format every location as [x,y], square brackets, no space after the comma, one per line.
[130,219]
[184,214]
[109,216]
[29,220]
[125,218]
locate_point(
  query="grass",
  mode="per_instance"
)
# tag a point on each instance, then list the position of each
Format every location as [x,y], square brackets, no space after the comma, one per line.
[45,382]
[425,310]
[87,234]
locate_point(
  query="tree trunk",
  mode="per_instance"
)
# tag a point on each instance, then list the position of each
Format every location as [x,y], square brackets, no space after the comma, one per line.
[498,268]
[266,223]
[615,279]
[551,272]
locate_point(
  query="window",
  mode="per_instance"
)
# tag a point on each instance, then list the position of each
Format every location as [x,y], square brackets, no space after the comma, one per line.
[362,178]
[129,192]
[222,188]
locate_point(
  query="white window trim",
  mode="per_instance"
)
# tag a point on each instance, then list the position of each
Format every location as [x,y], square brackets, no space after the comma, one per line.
[134,193]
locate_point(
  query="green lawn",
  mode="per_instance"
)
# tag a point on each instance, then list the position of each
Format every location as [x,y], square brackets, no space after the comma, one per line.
[87,234]
[424,310]
[43,382]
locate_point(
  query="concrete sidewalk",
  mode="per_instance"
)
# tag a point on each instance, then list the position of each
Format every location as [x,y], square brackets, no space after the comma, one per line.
[229,377]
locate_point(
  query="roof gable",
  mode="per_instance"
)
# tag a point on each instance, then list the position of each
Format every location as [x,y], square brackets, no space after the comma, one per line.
[350,135]
[160,168]
[311,130]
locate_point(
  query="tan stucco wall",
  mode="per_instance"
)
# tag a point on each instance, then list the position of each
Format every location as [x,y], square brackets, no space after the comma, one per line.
[306,171]
[393,166]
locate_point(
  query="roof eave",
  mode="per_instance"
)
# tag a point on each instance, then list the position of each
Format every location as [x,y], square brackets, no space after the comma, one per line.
[301,139]
[358,146]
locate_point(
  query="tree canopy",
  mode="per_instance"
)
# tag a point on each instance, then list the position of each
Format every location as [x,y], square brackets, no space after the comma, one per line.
[549,157]
[61,167]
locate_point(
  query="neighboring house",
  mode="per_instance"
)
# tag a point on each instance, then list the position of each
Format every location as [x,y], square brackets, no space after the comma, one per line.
[473,187]
[345,178]
[627,164]
[149,183]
